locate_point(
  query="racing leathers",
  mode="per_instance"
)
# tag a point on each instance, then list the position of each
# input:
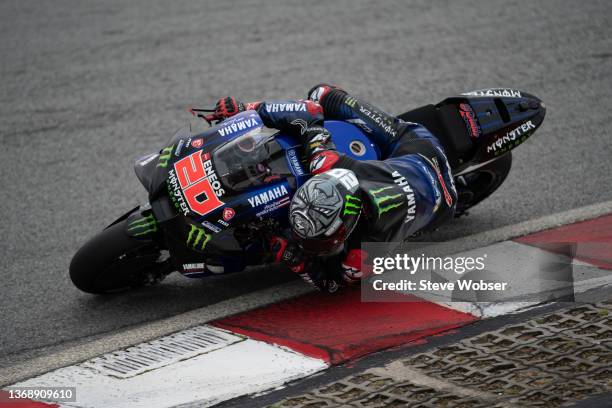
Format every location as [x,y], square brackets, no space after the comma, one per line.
[410,189]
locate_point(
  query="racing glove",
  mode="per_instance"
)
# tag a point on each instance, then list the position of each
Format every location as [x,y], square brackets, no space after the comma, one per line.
[322,279]
[318,92]
[316,139]
[355,267]
[292,256]
[287,253]
[228,107]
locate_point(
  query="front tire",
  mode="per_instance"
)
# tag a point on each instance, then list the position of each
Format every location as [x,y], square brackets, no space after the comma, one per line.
[113,261]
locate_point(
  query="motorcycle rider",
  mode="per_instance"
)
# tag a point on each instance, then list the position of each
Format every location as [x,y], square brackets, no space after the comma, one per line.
[348,201]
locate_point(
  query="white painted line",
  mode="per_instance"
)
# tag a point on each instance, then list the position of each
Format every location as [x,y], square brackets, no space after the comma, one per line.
[241,368]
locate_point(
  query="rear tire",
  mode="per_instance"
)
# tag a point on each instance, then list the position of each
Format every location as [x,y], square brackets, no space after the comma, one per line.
[479,184]
[113,261]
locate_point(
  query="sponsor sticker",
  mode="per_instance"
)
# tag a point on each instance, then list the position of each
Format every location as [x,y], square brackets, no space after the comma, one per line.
[179,148]
[237,126]
[378,119]
[268,208]
[285,107]
[352,205]
[197,238]
[386,199]
[409,193]
[147,159]
[511,139]
[193,268]
[361,124]
[389,198]
[294,162]
[143,225]
[228,213]
[469,118]
[434,186]
[268,196]
[175,193]
[197,143]
[164,156]
[449,174]
[433,162]
[510,93]
[350,101]
[211,227]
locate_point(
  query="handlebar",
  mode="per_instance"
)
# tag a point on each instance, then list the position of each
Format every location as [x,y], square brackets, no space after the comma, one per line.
[200,113]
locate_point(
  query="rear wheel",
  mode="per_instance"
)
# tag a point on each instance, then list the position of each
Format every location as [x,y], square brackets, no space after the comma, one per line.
[479,184]
[113,261]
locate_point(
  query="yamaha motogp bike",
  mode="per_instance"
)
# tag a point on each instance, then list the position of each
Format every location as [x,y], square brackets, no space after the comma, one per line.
[218,194]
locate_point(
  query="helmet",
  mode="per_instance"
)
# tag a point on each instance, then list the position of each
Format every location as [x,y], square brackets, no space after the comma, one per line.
[325,210]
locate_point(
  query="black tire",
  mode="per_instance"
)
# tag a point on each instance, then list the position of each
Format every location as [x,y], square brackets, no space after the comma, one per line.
[113,261]
[479,184]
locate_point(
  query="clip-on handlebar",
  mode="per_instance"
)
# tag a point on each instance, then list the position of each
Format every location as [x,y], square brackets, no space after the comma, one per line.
[208,118]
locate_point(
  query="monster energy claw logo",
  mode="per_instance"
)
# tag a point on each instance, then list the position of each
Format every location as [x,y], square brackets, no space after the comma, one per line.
[385,202]
[352,205]
[142,226]
[165,156]
[197,238]
[350,101]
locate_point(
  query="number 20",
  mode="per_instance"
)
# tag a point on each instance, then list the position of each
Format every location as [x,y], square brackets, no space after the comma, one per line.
[192,178]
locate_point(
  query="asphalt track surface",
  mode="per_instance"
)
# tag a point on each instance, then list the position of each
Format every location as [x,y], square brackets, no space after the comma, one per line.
[86,87]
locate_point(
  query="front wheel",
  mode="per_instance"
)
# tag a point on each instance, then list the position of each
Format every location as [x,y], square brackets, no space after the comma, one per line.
[113,261]
[475,186]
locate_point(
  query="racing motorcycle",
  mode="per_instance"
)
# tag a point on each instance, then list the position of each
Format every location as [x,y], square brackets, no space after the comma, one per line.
[217,194]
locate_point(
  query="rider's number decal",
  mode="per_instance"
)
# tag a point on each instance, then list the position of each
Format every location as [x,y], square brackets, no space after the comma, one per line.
[197,188]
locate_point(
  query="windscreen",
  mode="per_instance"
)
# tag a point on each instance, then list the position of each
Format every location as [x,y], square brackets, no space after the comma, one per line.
[250,160]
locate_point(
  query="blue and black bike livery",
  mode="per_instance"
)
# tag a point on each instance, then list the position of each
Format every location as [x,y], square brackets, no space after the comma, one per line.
[217,195]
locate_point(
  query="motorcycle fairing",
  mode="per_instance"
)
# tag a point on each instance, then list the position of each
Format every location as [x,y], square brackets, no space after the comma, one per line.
[348,138]
[507,119]
[479,126]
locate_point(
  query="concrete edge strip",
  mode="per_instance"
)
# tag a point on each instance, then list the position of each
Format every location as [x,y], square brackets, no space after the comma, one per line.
[148,331]
[234,366]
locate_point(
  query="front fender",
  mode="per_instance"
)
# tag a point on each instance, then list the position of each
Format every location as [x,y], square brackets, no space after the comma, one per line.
[124,216]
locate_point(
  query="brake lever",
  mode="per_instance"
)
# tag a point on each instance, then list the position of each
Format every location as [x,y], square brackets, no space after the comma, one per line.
[199,113]
[210,118]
